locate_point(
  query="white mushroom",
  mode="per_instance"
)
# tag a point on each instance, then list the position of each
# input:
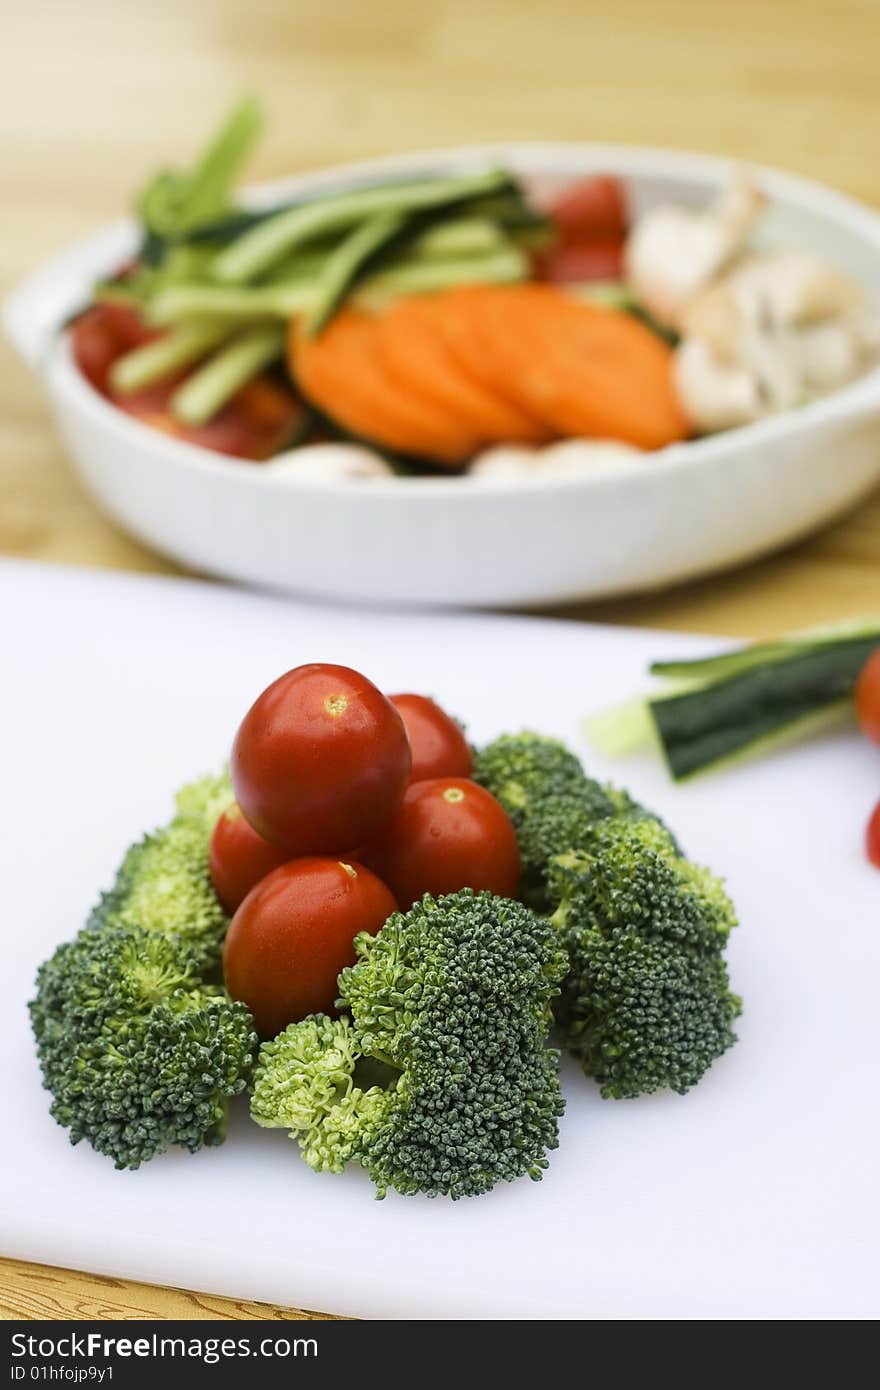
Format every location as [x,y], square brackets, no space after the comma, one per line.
[783,288]
[714,394]
[672,252]
[328,463]
[567,458]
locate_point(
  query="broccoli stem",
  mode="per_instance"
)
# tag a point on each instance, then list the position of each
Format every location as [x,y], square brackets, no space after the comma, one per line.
[208,390]
[160,359]
[257,250]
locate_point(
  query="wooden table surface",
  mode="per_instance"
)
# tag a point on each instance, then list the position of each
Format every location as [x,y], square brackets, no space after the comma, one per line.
[94,94]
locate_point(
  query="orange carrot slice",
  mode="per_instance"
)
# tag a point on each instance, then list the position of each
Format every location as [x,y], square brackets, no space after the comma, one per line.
[340,372]
[412,348]
[588,370]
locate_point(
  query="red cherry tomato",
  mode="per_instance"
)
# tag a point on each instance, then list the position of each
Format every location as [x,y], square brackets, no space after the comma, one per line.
[94,347]
[239,858]
[592,209]
[868,697]
[259,420]
[872,836]
[293,934]
[126,325]
[580,262]
[439,748]
[448,834]
[103,333]
[321,761]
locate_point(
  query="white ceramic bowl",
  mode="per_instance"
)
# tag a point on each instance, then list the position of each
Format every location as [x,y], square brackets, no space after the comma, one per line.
[672,515]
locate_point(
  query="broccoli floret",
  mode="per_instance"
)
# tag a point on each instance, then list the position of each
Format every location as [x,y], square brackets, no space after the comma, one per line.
[626,806]
[553,804]
[139,1055]
[646,1003]
[523,769]
[447,1009]
[643,1014]
[164,883]
[203,802]
[632,877]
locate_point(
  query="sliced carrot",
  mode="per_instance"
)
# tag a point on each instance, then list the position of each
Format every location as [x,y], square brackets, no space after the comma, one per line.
[586,369]
[463,324]
[413,349]
[340,372]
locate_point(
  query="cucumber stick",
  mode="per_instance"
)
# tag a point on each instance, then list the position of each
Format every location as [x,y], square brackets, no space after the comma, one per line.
[207,391]
[723,708]
[345,263]
[257,250]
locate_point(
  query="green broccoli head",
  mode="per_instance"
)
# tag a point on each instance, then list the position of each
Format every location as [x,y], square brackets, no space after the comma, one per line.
[448,1009]
[646,1003]
[164,883]
[628,808]
[643,1014]
[553,804]
[632,877]
[137,1053]
[523,769]
[202,802]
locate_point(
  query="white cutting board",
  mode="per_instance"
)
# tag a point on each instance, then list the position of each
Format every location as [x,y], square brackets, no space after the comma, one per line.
[754,1196]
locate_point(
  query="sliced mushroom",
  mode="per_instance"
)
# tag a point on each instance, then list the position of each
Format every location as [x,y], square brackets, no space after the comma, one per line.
[328,463]
[775,289]
[673,252]
[567,458]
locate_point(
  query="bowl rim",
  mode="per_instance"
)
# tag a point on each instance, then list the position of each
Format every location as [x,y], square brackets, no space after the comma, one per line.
[109,244]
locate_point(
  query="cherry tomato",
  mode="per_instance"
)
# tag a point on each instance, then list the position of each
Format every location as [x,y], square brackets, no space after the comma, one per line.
[321,761]
[100,335]
[872,836]
[259,420]
[293,934]
[126,325]
[94,347]
[592,209]
[439,748]
[580,262]
[448,834]
[868,697]
[239,858]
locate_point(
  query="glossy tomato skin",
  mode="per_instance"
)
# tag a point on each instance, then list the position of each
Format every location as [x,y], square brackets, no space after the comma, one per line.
[579,263]
[321,761]
[592,209]
[100,335]
[293,934]
[239,858]
[872,837]
[448,834]
[439,748]
[868,697]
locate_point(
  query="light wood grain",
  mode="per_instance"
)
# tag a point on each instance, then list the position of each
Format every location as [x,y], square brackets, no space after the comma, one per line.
[29,1291]
[94,93]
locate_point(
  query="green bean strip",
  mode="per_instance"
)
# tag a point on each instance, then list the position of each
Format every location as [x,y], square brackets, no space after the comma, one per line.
[157,360]
[254,252]
[208,390]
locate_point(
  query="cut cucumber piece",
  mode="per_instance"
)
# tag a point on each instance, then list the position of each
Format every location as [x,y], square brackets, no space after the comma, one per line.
[254,252]
[343,265]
